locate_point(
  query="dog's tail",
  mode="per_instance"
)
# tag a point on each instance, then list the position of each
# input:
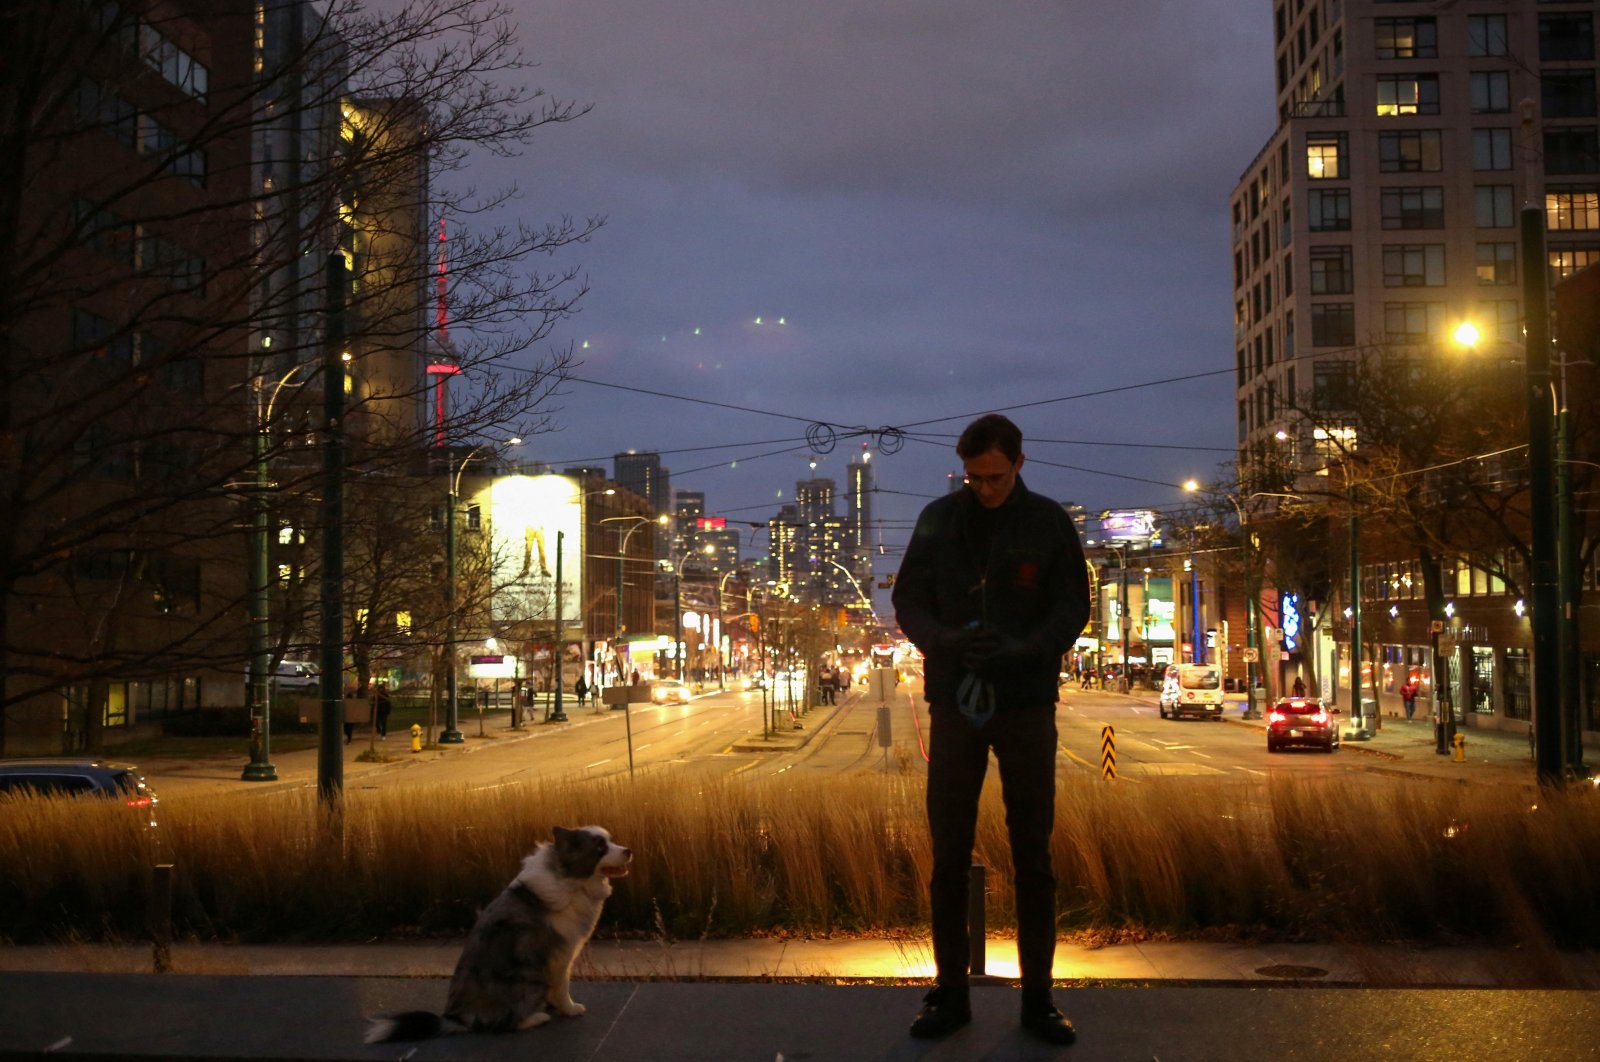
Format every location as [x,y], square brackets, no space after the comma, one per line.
[410,1025]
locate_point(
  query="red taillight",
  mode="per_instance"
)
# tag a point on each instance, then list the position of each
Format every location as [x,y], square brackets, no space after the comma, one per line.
[1321,716]
[139,802]
[1276,717]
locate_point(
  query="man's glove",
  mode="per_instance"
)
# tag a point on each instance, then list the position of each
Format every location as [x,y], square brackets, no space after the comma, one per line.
[991,650]
[954,640]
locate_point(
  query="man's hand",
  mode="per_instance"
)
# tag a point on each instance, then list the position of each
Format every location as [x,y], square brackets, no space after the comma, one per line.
[990,650]
[955,640]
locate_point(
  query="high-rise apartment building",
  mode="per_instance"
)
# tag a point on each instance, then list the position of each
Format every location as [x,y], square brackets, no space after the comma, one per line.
[720,542]
[642,473]
[859,520]
[124,309]
[785,560]
[814,498]
[1383,210]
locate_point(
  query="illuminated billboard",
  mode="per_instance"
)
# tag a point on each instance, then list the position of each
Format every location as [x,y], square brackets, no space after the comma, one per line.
[1128,525]
[711,523]
[528,518]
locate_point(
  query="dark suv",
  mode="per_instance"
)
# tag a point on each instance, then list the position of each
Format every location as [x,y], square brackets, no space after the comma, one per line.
[97,778]
[1301,721]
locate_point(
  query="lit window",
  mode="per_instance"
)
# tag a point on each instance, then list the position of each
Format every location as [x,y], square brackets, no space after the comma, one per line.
[1400,94]
[1325,156]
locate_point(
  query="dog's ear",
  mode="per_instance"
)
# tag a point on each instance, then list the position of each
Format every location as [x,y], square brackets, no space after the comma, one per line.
[561,833]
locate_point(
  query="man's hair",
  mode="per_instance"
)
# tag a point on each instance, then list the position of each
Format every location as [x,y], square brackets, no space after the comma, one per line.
[990,432]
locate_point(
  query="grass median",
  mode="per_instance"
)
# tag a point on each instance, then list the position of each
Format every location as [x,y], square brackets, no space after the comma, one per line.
[1377,860]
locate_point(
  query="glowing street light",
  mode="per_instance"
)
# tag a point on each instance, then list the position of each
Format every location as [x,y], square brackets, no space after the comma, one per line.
[451,735]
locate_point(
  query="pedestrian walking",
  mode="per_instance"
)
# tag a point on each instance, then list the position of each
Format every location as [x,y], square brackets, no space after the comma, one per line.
[581,688]
[825,685]
[1408,697]
[993,589]
[384,708]
[1299,686]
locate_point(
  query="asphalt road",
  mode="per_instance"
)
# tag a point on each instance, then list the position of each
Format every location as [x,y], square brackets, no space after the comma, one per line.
[724,733]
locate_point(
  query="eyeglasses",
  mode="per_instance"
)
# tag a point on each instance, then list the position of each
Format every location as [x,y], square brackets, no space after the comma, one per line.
[996,480]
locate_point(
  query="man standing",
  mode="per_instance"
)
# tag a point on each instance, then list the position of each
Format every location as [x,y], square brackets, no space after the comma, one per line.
[993,589]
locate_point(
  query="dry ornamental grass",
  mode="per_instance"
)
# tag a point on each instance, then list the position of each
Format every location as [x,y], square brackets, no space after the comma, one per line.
[1376,860]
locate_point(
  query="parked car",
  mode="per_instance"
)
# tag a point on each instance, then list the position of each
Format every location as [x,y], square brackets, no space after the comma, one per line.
[74,778]
[670,691]
[1302,721]
[297,676]
[1192,689]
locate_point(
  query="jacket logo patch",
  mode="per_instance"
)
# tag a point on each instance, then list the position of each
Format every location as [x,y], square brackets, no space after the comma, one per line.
[1027,574]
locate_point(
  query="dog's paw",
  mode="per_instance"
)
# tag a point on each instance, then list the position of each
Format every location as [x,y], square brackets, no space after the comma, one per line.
[571,1008]
[534,1020]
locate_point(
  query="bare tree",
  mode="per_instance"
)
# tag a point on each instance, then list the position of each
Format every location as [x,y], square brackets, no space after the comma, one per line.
[172,179]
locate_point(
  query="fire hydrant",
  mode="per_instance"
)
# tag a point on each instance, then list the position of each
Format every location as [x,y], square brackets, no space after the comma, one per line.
[416,737]
[1459,748]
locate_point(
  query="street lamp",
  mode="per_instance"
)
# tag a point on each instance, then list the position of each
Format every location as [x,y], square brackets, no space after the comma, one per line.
[559,712]
[865,600]
[451,735]
[722,665]
[260,768]
[1548,503]
[1253,593]
[677,607]
[622,559]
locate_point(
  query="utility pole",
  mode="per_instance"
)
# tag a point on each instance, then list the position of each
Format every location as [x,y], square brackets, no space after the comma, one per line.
[1567,566]
[260,768]
[1357,709]
[451,735]
[330,753]
[560,713]
[1545,618]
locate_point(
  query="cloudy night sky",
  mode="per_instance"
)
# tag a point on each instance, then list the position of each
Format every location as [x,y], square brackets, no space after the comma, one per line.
[952,207]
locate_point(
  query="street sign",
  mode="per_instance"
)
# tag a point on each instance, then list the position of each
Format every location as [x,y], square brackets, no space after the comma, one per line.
[1252,655]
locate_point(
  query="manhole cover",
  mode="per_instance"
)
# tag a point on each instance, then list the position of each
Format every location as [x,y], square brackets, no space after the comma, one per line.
[1293,973]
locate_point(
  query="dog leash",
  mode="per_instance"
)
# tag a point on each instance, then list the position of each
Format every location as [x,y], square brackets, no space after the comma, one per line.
[975,699]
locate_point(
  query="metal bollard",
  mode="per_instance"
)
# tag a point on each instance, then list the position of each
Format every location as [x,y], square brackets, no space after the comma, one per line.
[158,915]
[977,964]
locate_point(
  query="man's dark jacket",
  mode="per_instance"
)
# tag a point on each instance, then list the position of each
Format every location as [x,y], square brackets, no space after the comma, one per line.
[1029,580]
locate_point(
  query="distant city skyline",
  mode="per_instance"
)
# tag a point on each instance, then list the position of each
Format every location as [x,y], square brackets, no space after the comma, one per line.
[876,218]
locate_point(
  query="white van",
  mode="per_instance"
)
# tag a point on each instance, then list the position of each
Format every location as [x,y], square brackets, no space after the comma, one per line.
[1192,689]
[297,676]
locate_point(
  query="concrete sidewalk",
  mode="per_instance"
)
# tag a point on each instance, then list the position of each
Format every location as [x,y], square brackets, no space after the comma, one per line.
[134,1017]
[868,960]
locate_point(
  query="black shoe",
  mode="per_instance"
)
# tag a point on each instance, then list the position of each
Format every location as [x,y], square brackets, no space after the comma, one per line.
[1049,1025]
[944,1010]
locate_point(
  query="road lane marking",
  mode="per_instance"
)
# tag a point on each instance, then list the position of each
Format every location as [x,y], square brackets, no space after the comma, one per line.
[1076,758]
[597,763]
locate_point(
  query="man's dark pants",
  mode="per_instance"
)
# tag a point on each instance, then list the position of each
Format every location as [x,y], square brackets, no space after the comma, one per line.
[1024,743]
